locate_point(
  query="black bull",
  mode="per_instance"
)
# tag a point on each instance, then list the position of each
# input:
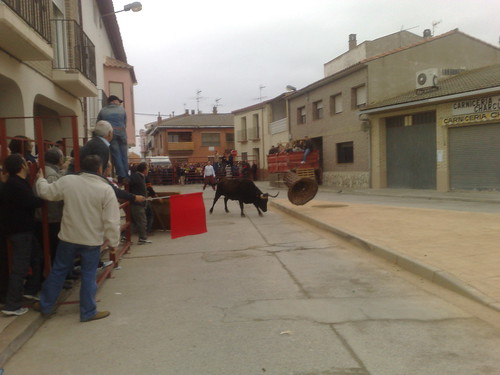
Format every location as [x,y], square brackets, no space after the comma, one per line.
[242,190]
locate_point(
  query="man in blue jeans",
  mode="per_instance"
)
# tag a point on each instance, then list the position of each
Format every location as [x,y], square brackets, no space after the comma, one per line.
[117,117]
[90,215]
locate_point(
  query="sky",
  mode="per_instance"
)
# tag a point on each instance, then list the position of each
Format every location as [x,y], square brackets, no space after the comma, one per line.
[194,54]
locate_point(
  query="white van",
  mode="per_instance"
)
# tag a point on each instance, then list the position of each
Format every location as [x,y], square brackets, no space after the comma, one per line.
[159,161]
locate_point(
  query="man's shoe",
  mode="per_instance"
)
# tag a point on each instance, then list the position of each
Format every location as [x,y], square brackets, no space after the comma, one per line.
[31,297]
[37,307]
[18,312]
[143,241]
[103,265]
[99,315]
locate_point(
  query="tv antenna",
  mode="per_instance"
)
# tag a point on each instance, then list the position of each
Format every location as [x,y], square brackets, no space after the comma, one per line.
[261,87]
[434,24]
[198,99]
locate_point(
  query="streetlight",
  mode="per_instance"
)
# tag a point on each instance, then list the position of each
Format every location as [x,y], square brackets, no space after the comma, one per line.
[136,6]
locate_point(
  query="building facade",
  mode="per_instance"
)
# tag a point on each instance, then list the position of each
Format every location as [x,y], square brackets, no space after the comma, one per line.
[328,111]
[54,64]
[444,137]
[259,127]
[191,138]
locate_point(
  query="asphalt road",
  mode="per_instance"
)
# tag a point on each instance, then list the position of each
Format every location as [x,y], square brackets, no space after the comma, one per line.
[262,295]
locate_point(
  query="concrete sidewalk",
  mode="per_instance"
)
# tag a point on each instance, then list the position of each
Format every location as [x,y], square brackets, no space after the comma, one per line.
[455,249]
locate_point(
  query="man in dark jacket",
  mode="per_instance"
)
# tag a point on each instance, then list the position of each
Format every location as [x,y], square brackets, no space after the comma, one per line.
[18,204]
[138,210]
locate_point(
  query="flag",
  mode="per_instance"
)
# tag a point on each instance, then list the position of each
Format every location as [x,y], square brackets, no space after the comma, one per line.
[187,215]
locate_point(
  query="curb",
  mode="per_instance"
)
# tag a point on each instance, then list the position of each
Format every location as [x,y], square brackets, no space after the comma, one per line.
[17,333]
[433,274]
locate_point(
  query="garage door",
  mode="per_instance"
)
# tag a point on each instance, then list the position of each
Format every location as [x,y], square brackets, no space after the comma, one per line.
[411,152]
[474,153]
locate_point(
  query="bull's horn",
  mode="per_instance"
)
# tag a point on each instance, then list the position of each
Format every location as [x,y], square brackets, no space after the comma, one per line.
[264,196]
[273,196]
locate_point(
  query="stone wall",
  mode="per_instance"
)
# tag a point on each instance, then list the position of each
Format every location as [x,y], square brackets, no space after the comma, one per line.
[347,180]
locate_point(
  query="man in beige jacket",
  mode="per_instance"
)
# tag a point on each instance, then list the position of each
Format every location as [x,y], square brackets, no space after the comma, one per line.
[90,215]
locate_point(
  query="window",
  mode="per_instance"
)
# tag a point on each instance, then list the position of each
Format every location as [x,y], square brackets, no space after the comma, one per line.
[318,110]
[243,131]
[116,88]
[210,139]
[255,126]
[230,140]
[345,152]
[301,115]
[359,96]
[180,137]
[336,104]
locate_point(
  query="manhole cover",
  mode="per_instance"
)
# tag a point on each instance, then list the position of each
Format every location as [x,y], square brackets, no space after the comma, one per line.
[330,205]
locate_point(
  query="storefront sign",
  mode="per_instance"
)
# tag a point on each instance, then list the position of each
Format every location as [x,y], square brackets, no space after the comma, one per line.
[479,105]
[473,110]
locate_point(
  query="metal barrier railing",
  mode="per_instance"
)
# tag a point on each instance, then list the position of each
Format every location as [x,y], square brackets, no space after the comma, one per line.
[41,145]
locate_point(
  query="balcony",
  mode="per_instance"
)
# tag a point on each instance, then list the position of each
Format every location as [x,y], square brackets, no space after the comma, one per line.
[278,126]
[242,135]
[74,65]
[180,146]
[25,29]
[253,134]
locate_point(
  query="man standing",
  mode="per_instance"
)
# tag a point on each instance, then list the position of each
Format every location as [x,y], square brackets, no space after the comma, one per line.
[209,176]
[99,144]
[18,206]
[91,214]
[138,210]
[117,117]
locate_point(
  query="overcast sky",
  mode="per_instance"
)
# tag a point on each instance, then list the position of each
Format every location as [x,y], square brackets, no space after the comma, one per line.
[242,51]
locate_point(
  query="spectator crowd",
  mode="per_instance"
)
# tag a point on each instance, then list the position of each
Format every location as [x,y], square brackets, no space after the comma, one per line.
[82,212]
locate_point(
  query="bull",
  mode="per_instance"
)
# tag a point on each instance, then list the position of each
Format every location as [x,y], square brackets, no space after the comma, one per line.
[243,191]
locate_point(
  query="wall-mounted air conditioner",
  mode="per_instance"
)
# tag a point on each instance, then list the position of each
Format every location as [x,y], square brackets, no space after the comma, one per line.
[427,78]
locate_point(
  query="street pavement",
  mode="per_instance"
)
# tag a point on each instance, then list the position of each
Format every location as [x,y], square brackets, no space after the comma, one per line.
[454,248]
[459,250]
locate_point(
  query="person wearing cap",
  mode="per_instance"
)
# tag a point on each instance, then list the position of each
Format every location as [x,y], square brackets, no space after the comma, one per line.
[117,117]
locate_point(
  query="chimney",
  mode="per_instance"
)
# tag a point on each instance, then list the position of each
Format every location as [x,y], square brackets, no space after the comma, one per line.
[427,33]
[159,117]
[186,112]
[192,112]
[214,110]
[352,41]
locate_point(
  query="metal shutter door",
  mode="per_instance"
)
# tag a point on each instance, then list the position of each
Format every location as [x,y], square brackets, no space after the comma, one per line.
[411,152]
[474,153]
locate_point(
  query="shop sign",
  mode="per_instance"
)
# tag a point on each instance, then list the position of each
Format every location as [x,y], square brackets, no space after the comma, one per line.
[473,110]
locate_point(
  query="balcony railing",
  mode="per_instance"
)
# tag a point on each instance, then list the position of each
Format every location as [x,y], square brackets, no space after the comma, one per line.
[253,133]
[36,13]
[73,49]
[180,146]
[242,135]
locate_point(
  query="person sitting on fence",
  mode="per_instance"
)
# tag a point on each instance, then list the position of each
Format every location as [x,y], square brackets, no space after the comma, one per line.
[308,147]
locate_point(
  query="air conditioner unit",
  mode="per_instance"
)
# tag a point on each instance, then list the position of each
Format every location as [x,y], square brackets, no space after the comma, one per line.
[427,78]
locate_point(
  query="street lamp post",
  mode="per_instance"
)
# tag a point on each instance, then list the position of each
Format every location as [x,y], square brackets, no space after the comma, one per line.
[136,6]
